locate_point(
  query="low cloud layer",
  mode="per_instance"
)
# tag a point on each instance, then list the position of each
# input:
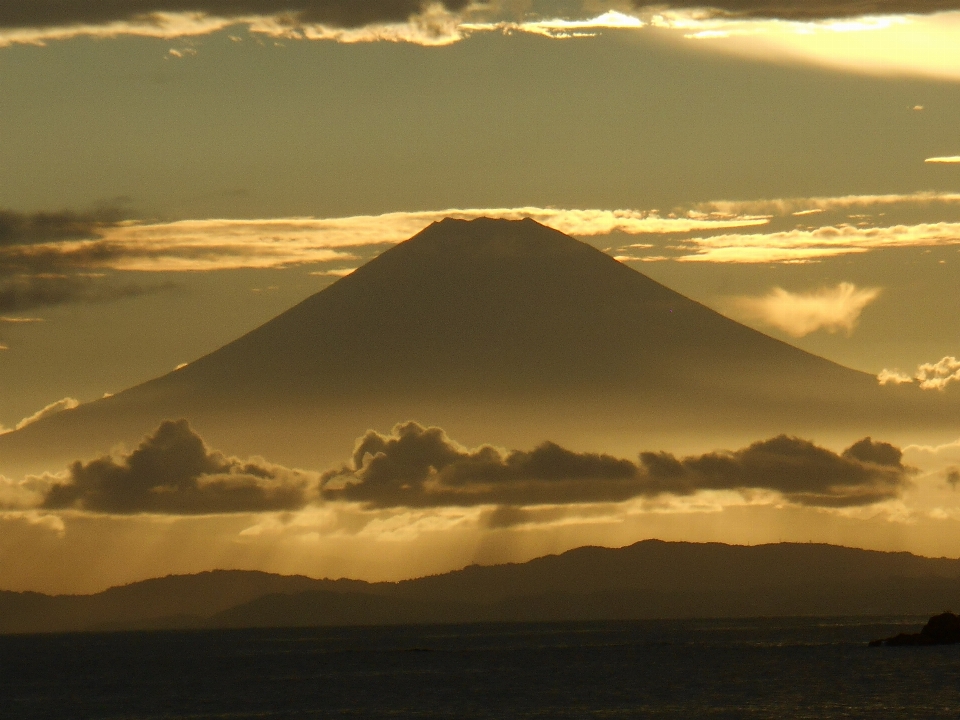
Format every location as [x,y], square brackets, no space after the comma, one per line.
[415,466]
[930,376]
[174,472]
[798,314]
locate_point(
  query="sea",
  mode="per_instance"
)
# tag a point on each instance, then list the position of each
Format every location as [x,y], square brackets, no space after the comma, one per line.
[754,668]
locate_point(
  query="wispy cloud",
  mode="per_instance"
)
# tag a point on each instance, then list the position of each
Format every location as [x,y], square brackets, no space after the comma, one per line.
[26,292]
[20,320]
[53,408]
[67,403]
[795,246]
[433,22]
[804,206]
[930,376]
[947,159]
[799,314]
[220,244]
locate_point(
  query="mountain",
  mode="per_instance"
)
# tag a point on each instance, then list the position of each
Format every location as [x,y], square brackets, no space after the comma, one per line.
[650,579]
[499,331]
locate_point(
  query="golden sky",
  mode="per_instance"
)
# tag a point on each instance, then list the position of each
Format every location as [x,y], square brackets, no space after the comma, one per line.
[175,175]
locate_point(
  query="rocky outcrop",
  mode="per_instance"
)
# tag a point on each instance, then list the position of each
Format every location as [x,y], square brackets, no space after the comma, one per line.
[942,629]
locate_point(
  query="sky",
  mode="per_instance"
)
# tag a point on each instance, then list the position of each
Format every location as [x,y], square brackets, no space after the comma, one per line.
[174,173]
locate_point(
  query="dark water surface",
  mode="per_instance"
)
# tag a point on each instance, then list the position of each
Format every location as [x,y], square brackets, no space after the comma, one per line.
[782,668]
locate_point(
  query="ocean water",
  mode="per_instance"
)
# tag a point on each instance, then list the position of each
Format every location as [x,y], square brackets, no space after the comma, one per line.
[766,668]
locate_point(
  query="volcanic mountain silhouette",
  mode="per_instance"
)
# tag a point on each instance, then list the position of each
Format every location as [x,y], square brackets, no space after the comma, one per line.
[499,331]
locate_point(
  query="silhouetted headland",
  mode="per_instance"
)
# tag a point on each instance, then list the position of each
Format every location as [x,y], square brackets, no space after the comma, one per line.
[942,629]
[650,579]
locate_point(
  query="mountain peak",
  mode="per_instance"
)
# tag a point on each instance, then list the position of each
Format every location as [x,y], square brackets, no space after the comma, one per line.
[493,237]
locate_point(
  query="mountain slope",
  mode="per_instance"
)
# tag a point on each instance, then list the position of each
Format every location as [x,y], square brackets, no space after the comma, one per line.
[500,331]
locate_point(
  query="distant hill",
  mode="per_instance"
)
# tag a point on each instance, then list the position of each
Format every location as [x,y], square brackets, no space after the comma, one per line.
[650,579]
[499,331]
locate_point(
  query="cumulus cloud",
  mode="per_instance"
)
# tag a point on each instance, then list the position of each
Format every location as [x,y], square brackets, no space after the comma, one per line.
[938,375]
[416,466]
[930,376]
[893,377]
[173,472]
[799,314]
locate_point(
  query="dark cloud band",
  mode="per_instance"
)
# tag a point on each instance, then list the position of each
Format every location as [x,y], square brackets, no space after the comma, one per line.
[421,467]
[174,472]
[336,13]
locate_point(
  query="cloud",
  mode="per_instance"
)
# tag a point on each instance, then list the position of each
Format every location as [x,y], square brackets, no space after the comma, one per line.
[415,466]
[218,244]
[428,22]
[24,228]
[867,36]
[799,314]
[173,472]
[805,9]
[56,262]
[45,259]
[953,478]
[336,13]
[21,320]
[68,403]
[797,246]
[948,160]
[883,39]
[938,375]
[893,377]
[930,376]
[27,292]
[800,206]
